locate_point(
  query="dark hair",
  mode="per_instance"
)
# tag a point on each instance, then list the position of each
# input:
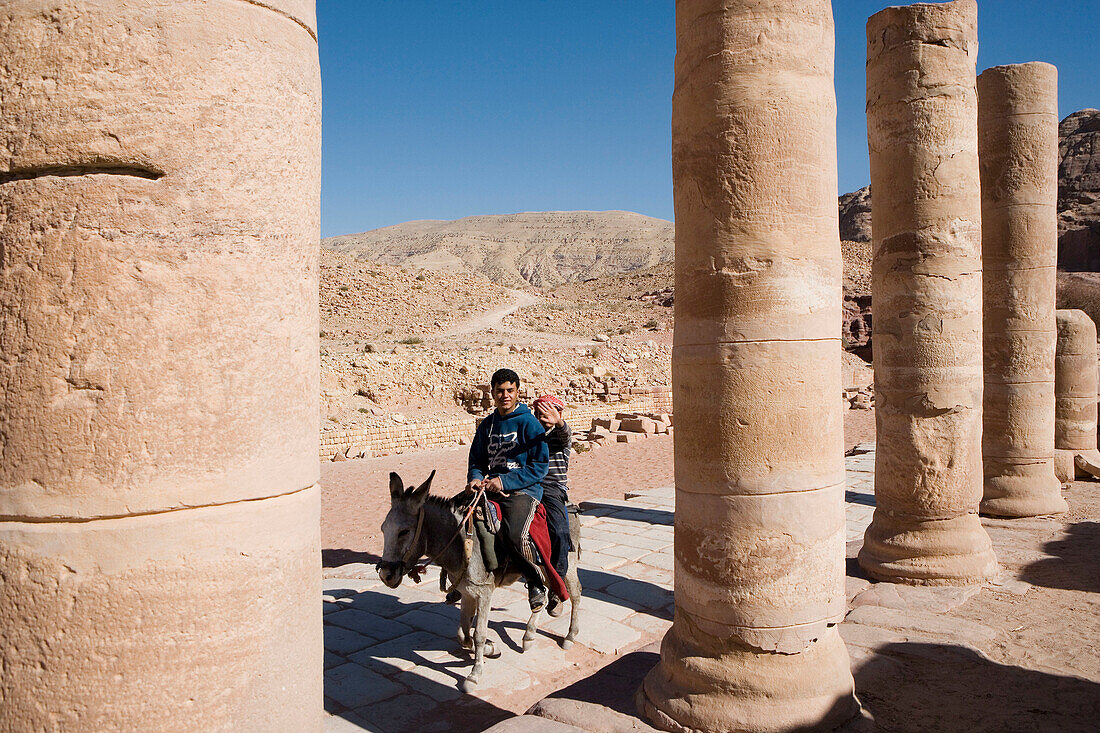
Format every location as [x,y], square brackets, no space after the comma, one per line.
[500,376]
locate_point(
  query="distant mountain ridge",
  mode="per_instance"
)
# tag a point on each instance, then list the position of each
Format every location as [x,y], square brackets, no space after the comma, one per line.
[538,248]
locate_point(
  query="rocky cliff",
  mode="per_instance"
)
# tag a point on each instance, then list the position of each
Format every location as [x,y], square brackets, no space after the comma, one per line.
[1079,192]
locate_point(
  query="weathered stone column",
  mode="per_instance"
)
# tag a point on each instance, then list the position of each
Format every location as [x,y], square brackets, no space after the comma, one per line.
[927,286]
[1018,155]
[759,454]
[1075,388]
[159,540]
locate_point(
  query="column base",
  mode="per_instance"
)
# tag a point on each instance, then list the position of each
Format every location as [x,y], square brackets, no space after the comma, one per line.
[704,684]
[1070,465]
[904,549]
[1022,490]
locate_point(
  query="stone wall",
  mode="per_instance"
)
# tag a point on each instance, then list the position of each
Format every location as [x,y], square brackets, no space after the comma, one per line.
[378,439]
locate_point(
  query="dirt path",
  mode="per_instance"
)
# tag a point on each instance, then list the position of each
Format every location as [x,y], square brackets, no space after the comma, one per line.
[490,325]
[491,319]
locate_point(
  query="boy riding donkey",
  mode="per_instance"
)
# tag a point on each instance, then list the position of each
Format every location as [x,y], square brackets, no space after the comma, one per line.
[509,457]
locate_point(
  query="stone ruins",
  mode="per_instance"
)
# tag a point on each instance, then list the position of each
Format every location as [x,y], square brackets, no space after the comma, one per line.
[1075,396]
[159,210]
[159,198]
[926,279]
[1018,150]
[759,459]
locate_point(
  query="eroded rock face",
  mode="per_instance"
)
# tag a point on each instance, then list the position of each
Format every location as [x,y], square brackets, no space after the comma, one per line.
[922,136]
[855,215]
[1079,192]
[759,447]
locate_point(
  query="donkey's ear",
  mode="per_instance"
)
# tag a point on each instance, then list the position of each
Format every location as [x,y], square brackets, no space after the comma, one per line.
[421,491]
[397,487]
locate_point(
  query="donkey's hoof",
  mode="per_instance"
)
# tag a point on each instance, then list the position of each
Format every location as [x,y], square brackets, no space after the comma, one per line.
[467,685]
[491,651]
[527,644]
[566,643]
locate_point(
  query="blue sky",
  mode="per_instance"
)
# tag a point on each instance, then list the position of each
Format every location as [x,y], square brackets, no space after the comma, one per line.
[438,109]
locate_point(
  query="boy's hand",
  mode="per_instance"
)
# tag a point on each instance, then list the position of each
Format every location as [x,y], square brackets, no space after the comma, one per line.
[473,486]
[493,484]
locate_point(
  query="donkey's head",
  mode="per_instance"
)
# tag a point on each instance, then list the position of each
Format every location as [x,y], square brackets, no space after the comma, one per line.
[403,543]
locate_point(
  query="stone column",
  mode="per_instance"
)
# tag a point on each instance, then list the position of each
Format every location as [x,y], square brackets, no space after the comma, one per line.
[759,551]
[159,540]
[927,287]
[1075,389]
[1018,154]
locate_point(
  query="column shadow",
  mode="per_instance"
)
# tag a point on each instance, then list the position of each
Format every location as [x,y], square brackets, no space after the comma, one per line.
[911,686]
[635,514]
[1076,561]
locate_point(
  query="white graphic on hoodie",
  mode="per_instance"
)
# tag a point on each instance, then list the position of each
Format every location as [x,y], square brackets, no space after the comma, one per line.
[500,445]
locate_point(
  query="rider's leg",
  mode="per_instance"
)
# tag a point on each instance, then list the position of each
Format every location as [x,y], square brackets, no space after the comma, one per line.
[517,510]
[557,522]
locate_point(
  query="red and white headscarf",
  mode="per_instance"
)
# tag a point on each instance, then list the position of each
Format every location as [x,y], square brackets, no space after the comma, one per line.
[552,400]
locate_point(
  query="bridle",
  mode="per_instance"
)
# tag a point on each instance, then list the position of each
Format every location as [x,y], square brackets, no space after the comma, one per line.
[416,569]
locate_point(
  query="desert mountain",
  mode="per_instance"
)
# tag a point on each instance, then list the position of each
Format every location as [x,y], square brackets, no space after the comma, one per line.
[537,248]
[1079,191]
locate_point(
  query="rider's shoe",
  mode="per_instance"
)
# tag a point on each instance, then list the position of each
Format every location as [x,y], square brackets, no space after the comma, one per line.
[453,597]
[555,606]
[536,594]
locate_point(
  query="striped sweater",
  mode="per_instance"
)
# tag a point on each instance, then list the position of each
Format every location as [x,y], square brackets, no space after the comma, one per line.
[560,442]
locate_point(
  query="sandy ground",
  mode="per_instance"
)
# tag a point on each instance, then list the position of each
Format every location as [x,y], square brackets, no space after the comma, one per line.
[354,497]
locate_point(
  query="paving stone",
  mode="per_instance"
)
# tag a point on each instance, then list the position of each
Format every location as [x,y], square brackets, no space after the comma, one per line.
[353,685]
[379,603]
[497,674]
[434,680]
[642,572]
[333,660]
[402,653]
[346,722]
[646,542]
[345,641]
[328,606]
[341,587]
[649,625]
[602,606]
[368,624]
[609,637]
[660,561]
[626,552]
[426,620]
[642,595]
[601,561]
[533,724]
[397,714]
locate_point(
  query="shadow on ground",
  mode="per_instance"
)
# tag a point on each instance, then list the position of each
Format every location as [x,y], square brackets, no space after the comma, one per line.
[370,682]
[334,558]
[1075,564]
[634,514]
[938,687]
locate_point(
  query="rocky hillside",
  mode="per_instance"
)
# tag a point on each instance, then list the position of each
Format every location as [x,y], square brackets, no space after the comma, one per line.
[541,249]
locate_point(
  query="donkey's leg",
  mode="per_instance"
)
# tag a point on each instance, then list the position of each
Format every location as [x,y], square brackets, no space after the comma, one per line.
[466,619]
[481,629]
[573,585]
[531,630]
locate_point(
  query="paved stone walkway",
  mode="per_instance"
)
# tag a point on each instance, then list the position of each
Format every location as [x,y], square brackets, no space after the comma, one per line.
[392,659]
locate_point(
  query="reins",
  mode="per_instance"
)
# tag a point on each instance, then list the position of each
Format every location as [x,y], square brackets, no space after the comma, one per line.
[420,568]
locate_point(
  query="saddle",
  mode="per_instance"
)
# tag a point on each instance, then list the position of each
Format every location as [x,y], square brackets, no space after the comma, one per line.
[496,550]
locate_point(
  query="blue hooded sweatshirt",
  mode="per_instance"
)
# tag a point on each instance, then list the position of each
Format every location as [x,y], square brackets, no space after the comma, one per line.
[513,447]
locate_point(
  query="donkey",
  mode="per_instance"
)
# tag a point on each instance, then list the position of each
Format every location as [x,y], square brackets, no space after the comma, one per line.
[419,524]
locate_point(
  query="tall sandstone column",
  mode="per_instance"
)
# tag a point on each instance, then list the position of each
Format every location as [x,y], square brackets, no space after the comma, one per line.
[927,285]
[159,541]
[1018,154]
[759,548]
[1076,387]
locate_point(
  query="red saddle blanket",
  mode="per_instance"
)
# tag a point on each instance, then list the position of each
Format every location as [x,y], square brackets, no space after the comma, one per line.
[540,535]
